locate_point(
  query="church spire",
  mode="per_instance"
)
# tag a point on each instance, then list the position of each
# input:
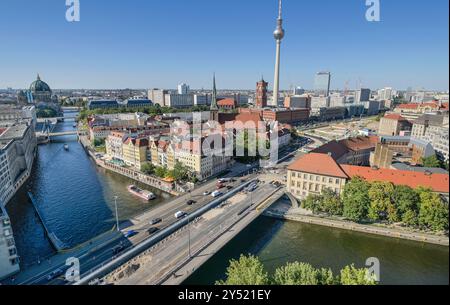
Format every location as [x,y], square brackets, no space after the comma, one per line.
[214,95]
[38,77]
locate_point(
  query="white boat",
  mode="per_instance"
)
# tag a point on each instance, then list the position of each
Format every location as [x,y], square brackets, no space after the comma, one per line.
[141,193]
[66,147]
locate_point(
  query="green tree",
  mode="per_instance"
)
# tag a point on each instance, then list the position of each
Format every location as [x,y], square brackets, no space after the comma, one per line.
[356,199]
[381,205]
[331,202]
[351,275]
[148,168]
[248,270]
[433,211]
[179,172]
[161,172]
[313,203]
[302,274]
[406,199]
[431,161]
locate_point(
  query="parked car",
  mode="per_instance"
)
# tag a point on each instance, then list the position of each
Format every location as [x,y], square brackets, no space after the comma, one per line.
[191,202]
[229,187]
[206,193]
[216,194]
[130,234]
[152,230]
[155,221]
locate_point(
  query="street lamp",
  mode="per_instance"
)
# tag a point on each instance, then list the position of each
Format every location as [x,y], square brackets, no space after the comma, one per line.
[117,213]
[189,237]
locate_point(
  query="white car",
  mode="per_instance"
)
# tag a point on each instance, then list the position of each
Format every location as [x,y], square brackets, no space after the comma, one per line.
[180,214]
[206,193]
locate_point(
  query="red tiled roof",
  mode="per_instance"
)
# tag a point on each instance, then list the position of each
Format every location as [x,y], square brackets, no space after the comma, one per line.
[394,116]
[336,149]
[227,102]
[436,182]
[408,106]
[249,117]
[320,164]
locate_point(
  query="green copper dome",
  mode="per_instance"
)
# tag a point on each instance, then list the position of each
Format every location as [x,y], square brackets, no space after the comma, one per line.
[39,86]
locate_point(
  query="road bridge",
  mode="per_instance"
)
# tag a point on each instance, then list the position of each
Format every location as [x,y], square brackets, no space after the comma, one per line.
[157,259]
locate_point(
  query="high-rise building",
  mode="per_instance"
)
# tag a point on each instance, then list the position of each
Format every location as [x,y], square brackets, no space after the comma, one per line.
[362,95]
[261,94]
[183,88]
[279,35]
[322,83]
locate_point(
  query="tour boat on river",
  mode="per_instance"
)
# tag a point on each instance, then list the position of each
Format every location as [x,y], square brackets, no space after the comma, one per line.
[141,193]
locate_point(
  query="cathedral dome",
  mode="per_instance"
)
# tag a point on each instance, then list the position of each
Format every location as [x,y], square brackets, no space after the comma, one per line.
[39,86]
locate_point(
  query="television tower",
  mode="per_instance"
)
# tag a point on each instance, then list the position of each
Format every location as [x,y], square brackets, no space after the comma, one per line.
[279,35]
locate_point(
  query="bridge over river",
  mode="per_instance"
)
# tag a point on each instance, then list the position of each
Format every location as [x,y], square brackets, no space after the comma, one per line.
[173,254]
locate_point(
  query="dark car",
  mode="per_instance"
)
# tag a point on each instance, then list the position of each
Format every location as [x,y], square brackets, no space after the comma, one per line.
[191,202]
[118,249]
[229,187]
[152,230]
[130,234]
[155,221]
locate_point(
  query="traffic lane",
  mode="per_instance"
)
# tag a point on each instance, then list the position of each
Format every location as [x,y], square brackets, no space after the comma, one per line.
[168,217]
[164,256]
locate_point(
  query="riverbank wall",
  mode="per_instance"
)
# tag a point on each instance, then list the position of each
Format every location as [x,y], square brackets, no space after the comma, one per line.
[130,173]
[351,226]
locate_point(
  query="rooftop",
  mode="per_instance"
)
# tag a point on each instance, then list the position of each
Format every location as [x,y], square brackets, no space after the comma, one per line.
[406,167]
[436,182]
[394,116]
[317,163]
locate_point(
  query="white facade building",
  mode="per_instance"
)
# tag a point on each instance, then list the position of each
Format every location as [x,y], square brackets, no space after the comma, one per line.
[9,259]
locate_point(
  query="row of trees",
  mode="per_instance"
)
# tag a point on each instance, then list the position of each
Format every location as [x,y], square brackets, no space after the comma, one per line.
[249,270]
[362,201]
[179,173]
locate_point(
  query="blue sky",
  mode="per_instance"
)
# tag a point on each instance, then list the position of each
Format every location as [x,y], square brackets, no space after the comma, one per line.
[160,43]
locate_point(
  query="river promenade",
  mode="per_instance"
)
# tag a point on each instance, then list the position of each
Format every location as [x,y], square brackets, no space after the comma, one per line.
[128,172]
[284,212]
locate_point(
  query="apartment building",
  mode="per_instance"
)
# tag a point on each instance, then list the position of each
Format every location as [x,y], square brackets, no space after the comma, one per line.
[9,258]
[18,147]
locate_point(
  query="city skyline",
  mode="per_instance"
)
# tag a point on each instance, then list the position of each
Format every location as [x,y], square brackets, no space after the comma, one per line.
[101,53]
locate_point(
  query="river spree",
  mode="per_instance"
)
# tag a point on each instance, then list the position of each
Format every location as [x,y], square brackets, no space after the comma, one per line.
[76,199]
[277,242]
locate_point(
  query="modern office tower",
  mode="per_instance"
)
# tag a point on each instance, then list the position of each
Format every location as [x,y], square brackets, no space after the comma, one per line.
[279,35]
[183,88]
[322,83]
[261,94]
[179,100]
[362,95]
